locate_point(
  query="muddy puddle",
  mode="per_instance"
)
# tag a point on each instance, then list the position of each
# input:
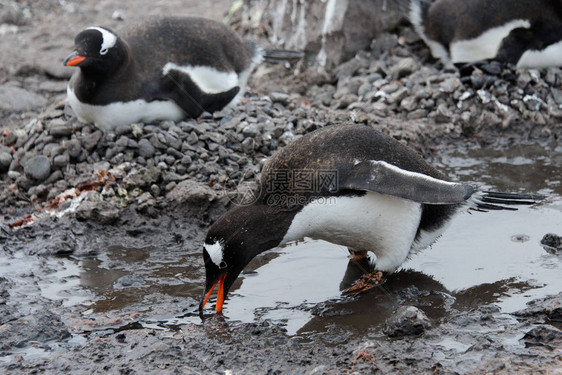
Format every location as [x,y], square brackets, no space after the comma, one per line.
[493,257]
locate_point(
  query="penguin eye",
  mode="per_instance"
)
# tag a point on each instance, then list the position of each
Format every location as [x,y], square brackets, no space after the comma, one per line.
[103,51]
[222,265]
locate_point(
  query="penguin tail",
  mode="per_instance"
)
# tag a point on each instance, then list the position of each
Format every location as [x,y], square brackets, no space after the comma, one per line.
[281,55]
[497,201]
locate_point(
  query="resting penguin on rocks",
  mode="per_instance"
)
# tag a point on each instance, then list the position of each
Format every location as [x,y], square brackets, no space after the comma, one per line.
[525,33]
[161,69]
[350,185]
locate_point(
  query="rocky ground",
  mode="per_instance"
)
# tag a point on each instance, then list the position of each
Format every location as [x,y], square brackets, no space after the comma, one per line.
[164,183]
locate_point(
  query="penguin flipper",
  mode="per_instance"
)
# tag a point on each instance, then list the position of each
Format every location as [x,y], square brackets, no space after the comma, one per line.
[216,102]
[189,96]
[384,178]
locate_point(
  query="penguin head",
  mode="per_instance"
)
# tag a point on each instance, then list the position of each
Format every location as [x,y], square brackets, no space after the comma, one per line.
[233,241]
[97,49]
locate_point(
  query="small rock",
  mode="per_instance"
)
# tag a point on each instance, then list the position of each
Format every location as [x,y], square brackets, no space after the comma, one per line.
[250,130]
[91,140]
[5,161]
[61,130]
[11,138]
[279,97]
[407,321]
[552,241]
[60,161]
[143,178]
[101,212]
[74,148]
[38,167]
[544,335]
[405,67]
[145,148]
[409,103]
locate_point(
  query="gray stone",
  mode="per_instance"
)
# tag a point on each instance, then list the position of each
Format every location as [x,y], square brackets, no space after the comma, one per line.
[38,167]
[156,141]
[142,178]
[123,130]
[405,67]
[122,141]
[91,140]
[54,177]
[545,336]
[145,148]
[5,161]
[407,321]
[279,97]
[409,103]
[175,153]
[250,130]
[174,142]
[552,241]
[61,130]
[101,212]
[24,182]
[74,148]
[17,99]
[61,161]
[11,138]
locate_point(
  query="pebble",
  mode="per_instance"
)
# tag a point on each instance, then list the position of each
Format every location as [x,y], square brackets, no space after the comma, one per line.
[73,147]
[61,130]
[145,148]
[38,168]
[91,140]
[407,321]
[5,161]
[250,130]
[60,161]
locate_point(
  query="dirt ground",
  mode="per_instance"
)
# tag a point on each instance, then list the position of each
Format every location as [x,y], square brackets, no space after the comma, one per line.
[477,338]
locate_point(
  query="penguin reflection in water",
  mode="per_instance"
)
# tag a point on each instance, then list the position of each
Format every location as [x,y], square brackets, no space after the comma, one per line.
[162,69]
[364,190]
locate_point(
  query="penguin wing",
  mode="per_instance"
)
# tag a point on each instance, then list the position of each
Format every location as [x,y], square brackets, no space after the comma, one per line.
[190,97]
[385,178]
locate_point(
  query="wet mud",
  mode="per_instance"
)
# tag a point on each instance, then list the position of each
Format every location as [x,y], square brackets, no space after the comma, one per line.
[105,290]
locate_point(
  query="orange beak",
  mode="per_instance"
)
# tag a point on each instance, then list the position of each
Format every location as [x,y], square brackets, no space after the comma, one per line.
[220,295]
[74,59]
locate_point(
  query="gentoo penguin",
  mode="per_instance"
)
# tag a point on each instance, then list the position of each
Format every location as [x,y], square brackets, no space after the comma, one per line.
[526,33]
[161,69]
[350,185]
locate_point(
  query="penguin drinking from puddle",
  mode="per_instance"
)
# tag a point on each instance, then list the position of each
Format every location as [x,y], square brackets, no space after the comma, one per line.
[162,69]
[525,33]
[349,185]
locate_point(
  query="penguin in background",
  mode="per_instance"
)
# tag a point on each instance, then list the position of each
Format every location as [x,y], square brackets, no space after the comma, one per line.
[525,33]
[167,68]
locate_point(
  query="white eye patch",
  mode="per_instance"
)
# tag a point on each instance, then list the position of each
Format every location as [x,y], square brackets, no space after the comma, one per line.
[215,252]
[109,39]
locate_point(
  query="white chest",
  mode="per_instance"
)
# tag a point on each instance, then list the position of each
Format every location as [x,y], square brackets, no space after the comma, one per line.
[378,223]
[486,45]
[550,56]
[108,117]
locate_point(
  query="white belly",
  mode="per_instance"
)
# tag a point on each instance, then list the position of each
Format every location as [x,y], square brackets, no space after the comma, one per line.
[378,223]
[108,117]
[486,45]
[550,56]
